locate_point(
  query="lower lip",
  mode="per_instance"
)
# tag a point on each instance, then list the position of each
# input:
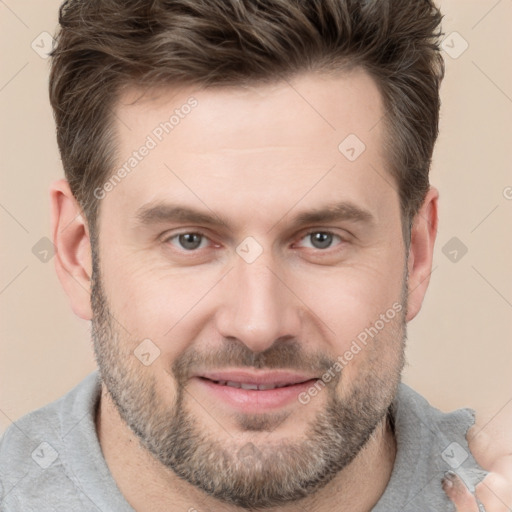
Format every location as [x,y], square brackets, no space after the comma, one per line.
[253,400]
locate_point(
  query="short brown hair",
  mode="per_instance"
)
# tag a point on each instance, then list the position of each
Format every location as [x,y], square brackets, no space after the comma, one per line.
[105,45]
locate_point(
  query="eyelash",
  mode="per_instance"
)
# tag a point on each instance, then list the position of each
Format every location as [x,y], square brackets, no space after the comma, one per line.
[305,235]
[324,232]
[177,235]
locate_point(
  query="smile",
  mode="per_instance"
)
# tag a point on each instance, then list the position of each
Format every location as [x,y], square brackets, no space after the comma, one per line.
[253,392]
[245,385]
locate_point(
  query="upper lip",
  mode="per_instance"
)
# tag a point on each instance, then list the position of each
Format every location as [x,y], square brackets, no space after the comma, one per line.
[277,378]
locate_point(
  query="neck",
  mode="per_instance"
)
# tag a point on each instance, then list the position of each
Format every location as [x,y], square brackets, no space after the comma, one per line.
[149,486]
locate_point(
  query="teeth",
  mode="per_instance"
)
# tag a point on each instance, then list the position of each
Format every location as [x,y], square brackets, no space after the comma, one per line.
[268,386]
[243,385]
[248,386]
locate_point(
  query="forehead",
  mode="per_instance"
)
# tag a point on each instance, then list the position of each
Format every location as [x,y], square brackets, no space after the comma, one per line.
[314,138]
[328,104]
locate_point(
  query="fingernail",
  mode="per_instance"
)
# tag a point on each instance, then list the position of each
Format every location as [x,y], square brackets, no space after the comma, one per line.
[448,479]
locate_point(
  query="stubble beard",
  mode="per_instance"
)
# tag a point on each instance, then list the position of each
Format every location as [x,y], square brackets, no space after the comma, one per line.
[251,475]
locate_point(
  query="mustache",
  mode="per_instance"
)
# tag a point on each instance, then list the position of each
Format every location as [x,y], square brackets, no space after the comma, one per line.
[284,354]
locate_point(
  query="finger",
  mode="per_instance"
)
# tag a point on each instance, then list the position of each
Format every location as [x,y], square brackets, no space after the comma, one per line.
[458,493]
[495,492]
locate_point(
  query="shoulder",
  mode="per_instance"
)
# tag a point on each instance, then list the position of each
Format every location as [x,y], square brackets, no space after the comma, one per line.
[33,448]
[429,443]
[410,406]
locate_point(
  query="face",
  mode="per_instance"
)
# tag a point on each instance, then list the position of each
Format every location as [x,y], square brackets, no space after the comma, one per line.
[244,250]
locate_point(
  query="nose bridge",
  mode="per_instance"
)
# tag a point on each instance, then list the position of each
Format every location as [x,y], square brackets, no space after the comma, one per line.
[257,309]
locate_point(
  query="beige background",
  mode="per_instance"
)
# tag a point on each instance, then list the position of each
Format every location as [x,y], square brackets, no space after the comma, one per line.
[460,347]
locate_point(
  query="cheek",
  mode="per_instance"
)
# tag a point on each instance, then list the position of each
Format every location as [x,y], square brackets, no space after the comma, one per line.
[361,307]
[157,304]
[351,300]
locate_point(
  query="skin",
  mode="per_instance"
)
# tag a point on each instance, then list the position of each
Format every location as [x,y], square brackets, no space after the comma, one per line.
[492,449]
[256,157]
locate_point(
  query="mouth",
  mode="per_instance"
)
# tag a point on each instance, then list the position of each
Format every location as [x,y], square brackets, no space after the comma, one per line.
[254,392]
[249,385]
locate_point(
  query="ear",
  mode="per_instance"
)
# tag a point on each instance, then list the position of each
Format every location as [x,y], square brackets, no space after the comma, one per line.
[423,236]
[73,260]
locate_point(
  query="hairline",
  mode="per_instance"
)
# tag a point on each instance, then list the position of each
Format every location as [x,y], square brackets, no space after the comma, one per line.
[331,69]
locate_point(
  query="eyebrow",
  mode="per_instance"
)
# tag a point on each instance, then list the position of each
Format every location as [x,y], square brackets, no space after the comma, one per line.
[161,212]
[343,211]
[155,213]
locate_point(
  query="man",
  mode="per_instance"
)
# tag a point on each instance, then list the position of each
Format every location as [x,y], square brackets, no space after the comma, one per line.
[248,223]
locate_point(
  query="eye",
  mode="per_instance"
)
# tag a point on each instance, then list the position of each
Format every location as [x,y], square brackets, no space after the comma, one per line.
[319,240]
[189,241]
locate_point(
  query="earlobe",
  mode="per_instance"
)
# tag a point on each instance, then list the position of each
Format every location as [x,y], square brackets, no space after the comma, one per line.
[423,236]
[73,261]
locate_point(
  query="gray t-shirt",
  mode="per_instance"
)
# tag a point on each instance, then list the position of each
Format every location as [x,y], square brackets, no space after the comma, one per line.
[51,459]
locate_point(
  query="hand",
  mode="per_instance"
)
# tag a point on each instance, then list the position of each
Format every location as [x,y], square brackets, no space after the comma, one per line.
[494,493]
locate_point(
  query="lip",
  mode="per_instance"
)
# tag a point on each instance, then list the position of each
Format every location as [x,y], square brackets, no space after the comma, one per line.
[250,400]
[278,378]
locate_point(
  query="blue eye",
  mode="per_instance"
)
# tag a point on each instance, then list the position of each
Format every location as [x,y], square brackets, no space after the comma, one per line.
[321,239]
[189,241]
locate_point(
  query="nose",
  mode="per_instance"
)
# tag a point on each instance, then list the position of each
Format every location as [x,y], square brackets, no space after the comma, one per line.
[257,306]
